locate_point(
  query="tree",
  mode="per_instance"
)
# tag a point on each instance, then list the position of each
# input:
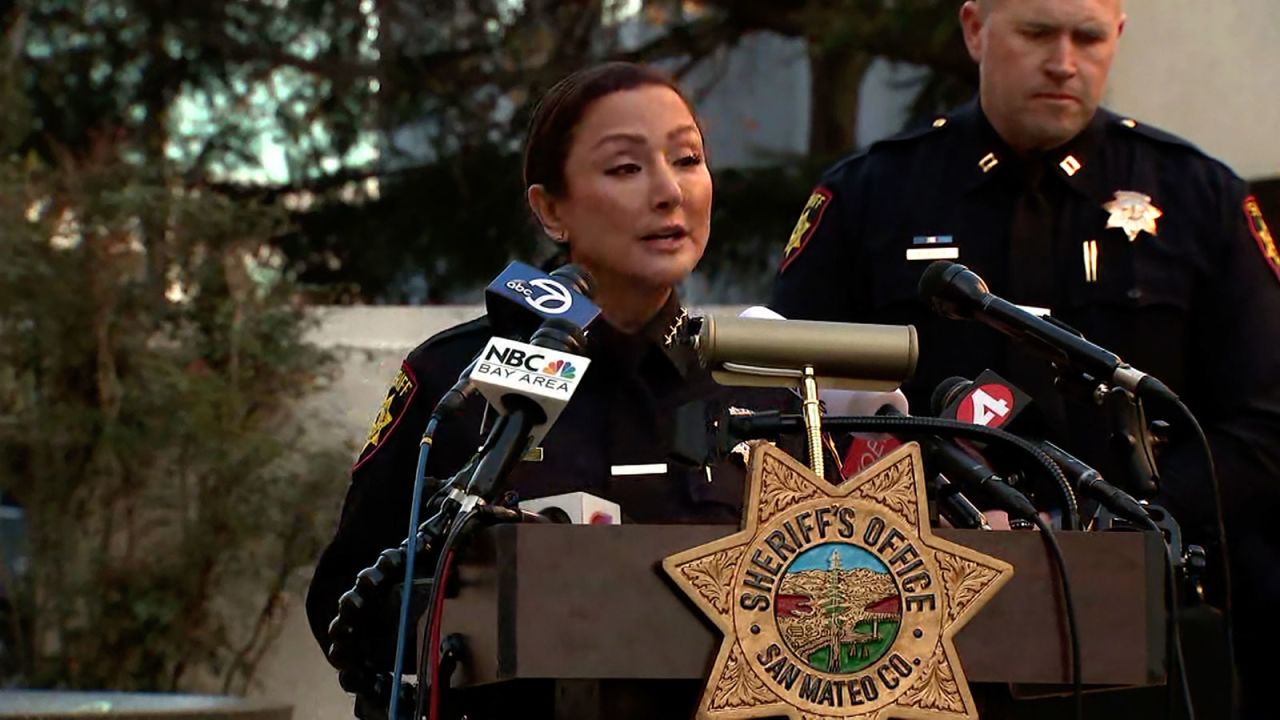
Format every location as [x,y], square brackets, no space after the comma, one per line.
[842,38]
[152,359]
[399,122]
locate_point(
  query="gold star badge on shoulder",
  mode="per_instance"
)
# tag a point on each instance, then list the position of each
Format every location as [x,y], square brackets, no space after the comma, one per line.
[1133,213]
[837,601]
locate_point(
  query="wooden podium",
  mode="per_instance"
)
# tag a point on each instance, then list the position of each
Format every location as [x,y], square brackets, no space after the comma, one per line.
[565,621]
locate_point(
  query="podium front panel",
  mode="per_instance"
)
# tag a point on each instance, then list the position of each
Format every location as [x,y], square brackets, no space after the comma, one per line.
[591,602]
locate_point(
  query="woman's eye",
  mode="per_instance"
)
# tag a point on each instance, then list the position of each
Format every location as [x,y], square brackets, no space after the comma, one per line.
[623,169]
[690,160]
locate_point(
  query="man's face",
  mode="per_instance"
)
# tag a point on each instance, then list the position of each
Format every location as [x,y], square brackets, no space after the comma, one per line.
[1043,64]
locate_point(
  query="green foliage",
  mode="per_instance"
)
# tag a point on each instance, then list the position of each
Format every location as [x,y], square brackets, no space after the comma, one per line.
[152,360]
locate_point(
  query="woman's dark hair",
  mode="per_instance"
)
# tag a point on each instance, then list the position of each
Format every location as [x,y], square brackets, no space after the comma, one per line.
[552,127]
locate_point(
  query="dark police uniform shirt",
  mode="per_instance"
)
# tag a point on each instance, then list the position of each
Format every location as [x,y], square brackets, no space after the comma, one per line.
[622,414]
[1146,245]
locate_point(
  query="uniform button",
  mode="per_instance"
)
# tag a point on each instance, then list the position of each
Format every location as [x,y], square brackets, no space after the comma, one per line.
[1135,294]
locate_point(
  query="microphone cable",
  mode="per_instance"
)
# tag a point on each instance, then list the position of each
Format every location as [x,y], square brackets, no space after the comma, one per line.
[406,593]
[1173,654]
[449,404]
[429,654]
[1221,533]
[1073,633]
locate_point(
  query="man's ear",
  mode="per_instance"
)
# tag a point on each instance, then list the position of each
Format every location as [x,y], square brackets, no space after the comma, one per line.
[971,21]
[547,210]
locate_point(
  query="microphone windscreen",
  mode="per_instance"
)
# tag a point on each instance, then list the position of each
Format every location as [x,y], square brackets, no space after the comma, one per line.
[945,393]
[933,279]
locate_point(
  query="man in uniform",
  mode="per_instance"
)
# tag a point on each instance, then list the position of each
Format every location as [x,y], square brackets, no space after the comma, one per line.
[1133,236]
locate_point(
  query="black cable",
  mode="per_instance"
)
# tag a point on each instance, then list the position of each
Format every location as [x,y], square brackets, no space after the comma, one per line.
[1220,527]
[1174,631]
[426,668]
[1073,635]
[929,425]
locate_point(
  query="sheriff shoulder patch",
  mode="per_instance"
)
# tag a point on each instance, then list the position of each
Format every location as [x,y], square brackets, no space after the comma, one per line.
[397,399]
[1262,234]
[806,225]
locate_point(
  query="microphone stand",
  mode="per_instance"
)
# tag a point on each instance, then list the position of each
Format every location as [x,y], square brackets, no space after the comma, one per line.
[1133,440]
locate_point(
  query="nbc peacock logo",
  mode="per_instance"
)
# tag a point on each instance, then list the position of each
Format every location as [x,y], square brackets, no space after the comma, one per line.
[560,368]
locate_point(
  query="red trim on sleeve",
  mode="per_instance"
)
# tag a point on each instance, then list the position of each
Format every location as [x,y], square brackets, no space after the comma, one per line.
[396,407]
[806,225]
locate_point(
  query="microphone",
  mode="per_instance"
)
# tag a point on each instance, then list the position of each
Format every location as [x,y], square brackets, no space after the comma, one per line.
[992,401]
[577,508]
[530,383]
[966,471]
[957,292]
[522,301]
[773,352]
[528,380]
[521,298]
[988,400]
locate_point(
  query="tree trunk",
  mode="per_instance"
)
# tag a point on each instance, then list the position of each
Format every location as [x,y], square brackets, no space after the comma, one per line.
[835,82]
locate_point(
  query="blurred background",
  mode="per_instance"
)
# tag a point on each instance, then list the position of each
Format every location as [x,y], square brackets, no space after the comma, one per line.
[223,223]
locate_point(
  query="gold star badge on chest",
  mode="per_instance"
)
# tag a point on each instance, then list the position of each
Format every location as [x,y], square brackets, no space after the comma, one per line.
[1133,213]
[837,601]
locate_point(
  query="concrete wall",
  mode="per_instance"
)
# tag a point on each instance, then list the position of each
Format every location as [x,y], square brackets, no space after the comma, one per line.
[1206,71]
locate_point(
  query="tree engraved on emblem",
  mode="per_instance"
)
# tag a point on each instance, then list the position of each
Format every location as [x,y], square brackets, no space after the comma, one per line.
[739,687]
[894,488]
[713,576]
[964,581]
[936,689]
[781,487]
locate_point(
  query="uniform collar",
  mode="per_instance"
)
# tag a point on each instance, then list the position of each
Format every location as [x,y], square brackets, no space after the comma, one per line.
[985,156]
[657,338]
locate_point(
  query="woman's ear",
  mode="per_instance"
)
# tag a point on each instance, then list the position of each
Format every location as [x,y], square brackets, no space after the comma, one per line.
[546,209]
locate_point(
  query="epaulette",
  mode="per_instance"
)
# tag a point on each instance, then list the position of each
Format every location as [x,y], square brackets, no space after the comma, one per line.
[1154,133]
[915,133]
[904,136]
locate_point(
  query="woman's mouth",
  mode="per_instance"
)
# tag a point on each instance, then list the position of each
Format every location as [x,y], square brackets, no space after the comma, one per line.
[667,233]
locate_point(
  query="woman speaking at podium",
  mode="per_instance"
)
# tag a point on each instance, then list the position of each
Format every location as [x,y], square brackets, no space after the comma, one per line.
[617,176]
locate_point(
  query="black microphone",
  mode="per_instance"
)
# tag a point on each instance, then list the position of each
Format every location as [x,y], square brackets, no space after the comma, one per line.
[971,473]
[957,292]
[1000,403]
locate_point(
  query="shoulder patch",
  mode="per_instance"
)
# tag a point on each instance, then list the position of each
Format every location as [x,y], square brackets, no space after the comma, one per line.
[399,395]
[1262,234]
[806,225]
